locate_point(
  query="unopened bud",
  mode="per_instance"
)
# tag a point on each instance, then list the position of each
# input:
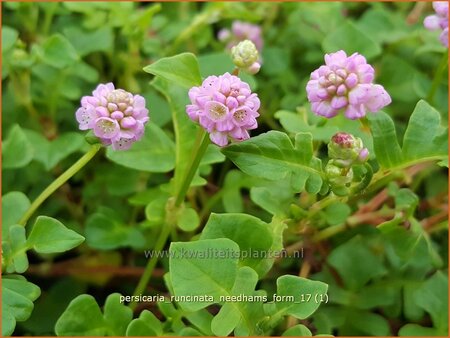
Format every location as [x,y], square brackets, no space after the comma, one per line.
[338,176]
[245,56]
[346,149]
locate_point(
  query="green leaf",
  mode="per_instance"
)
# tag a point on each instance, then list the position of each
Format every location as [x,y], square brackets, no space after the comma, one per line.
[432,297]
[305,295]
[370,323]
[144,326]
[188,220]
[296,123]
[14,249]
[18,296]
[9,38]
[197,269]
[105,232]
[153,153]
[81,318]
[51,305]
[273,156]
[337,213]
[184,128]
[181,69]
[425,137]
[117,316]
[14,205]
[385,142]
[233,313]
[50,153]
[298,330]
[251,234]
[17,151]
[356,273]
[350,39]
[275,197]
[49,236]
[86,42]
[59,52]
[415,330]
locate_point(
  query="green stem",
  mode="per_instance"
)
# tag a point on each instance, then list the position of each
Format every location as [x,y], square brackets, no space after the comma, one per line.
[63,178]
[329,232]
[145,278]
[437,77]
[200,148]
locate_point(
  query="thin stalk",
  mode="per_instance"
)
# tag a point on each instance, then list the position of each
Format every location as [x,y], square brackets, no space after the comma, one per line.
[145,278]
[200,147]
[202,144]
[63,178]
[438,77]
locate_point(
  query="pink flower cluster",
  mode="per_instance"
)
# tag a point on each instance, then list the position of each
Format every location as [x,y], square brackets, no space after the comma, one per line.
[344,84]
[241,31]
[225,107]
[116,116]
[439,20]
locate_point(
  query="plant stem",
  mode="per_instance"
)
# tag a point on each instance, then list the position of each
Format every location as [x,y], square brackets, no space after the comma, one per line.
[437,77]
[200,147]
[201,144]
[329,232]
[145,278]
[63,178]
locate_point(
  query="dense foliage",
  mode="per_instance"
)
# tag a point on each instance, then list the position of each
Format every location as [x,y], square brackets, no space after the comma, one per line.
[286,228]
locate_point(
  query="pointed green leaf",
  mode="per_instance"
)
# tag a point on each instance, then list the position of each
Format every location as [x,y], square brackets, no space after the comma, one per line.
[117,316]
[181,69]
[59,52]
[432,297]
[232,313]
[81,318]
[206,267]
[14,248]
[349,38]
[50,153]
[251,234]
[273,156]
[425,137]
[106,233]
[298,330]
[185,130]
[14,205]
[147,325]
[50,236]
[305,293]
[385,142]
[17,151]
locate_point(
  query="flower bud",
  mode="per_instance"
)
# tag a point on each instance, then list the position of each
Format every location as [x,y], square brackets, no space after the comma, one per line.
[346,149]
[338,176]
[245,56]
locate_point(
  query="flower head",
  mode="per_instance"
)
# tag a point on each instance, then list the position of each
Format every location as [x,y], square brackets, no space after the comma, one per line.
[344,83]
[116,116]
[345,149]
[225,107]
[245,56]
[241,31]
[439,20]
